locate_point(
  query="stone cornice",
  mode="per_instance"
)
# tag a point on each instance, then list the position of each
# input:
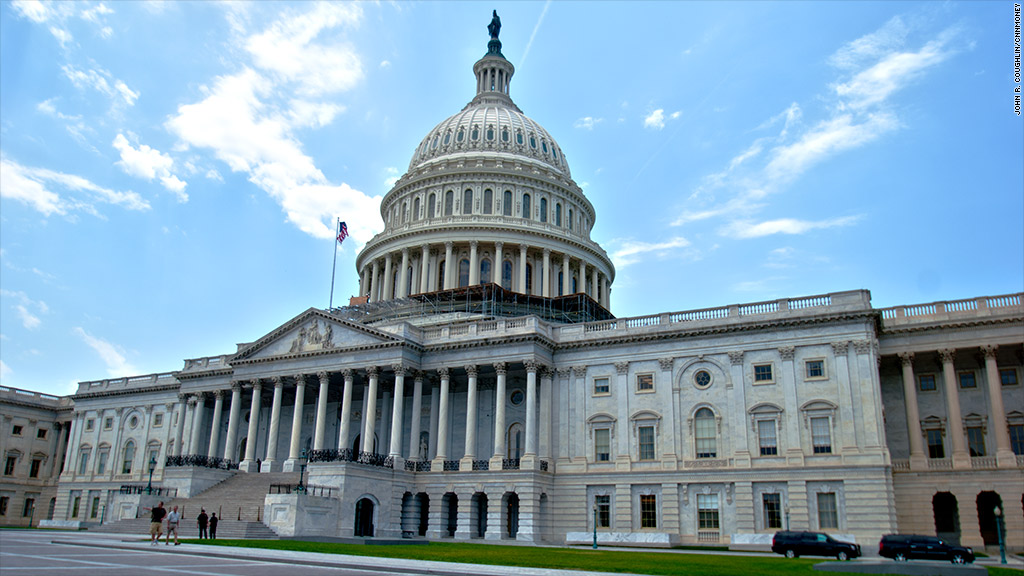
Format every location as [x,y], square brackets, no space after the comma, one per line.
[126,392]
[952,325]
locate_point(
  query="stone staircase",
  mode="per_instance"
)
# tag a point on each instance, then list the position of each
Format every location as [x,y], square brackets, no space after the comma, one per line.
[238,502]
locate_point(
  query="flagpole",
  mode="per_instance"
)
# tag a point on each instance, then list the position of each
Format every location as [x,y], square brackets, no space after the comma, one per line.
[334,267]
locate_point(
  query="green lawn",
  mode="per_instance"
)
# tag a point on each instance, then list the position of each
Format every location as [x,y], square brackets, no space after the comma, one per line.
[654,563]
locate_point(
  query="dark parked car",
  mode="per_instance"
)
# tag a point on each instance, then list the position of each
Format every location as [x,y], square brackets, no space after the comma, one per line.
[902,547]
[794,544]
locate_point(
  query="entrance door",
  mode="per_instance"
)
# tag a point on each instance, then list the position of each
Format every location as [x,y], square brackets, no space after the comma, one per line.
[364,518]
[512,516]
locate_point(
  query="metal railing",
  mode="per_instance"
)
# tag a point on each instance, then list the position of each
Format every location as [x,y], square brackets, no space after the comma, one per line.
[201,461]
[308,489]
[543,465]
[334,455]
[481,465]
[144,489]
[510,463]
[423,466]
[451,465]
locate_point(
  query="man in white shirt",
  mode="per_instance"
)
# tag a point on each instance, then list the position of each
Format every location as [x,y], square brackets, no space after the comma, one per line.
[172,525]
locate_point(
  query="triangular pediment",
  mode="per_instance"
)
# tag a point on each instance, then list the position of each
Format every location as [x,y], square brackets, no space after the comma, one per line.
[314,332]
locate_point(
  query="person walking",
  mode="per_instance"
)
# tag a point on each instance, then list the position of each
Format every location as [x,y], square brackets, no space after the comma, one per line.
[172,526]
[213,526]
[202,520]
[156,519]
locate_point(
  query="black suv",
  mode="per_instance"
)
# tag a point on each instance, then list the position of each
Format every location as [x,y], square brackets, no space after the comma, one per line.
[902,547]
[794,544]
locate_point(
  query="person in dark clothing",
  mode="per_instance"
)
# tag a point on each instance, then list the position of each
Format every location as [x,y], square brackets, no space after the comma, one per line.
[156,520]
[202,520]
[213,526]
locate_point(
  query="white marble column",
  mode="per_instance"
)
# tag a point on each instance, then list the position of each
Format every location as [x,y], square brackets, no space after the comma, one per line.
[546,280]
[435,404]
[442,424]
[292,463]
[321,411]
[374,281]
[404,275]
[544,435]
[425,268]
[346,410]
[370,416]
[384,430]
[197,401]
[566,276]
[70,446]
[364,281]
[499,416]
[234,413]
[522,269]
[397,411]
[389,278]
[448,265]
[179,437]
[218,412]
[415,424]
[474,263]
[469,454]
[583,277]
[917,456]
[270,463]
[530,454]
[249,464]
[594,286]
[954,418]
[1005,457]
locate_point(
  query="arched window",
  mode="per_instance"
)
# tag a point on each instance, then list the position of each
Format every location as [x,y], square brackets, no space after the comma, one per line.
[504,134]
[405,212]
[408,281]
[467,202]
[506,207]
[506,274]
[416,209]
[485,271]
[558,214]
[519,138]
[704,434]
[463,272]
[431,202]
[529,278]
[449,200]
[440,275]
[570,218]
[488,200]
[561,283]
[526,205]
[460,135]
[447,138]
[543,209]
[394,283]
[515,443]
[129,457]
[575,289]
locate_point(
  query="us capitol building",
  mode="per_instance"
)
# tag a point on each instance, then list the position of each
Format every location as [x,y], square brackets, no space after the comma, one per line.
[480,388]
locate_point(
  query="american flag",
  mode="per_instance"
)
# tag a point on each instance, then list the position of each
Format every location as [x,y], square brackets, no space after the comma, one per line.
[342,232]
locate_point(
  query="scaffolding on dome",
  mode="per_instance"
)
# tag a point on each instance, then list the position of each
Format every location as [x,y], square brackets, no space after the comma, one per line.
[483,300]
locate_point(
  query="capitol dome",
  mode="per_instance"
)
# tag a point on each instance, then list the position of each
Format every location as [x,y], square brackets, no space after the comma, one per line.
[488,200]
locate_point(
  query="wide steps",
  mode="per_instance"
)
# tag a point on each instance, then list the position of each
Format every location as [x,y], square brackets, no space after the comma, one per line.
[239,498]
[226,529]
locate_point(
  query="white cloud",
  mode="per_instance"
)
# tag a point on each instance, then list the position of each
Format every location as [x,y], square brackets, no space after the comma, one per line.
[111,354]
[675,115]
[100,80]
[536,28]
[747,229]
[587,122]
[871,46]
[47,107]
[393,176]
[28,319]
[34,10]
[655,120]
[96,13]
[873,85]
[385,64]
[827,138]
[34,188]
[5,370]
[313,114]
[630,251]
[148,163]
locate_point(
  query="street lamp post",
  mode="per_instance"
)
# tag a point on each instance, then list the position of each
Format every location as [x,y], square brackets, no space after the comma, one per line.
[152,466]
[303,458]
[1001,533]
[595,526]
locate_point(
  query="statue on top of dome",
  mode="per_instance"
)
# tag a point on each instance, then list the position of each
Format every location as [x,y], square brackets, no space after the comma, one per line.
[495,26]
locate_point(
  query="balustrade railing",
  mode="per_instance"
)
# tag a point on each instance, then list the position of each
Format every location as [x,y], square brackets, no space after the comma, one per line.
[374,459]
[343,455]
[510,463]
[308,489]
[451,465]
[145,489]
[543,465]
[201,461]
[423,466]
[481,465]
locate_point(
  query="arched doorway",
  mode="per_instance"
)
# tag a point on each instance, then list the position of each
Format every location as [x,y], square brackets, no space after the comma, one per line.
[987,502]
[511,515]
[450,511]
[480,513]
[357,445]
[947,517]
[241,449]
[364,518]
[424,513]
[49,511]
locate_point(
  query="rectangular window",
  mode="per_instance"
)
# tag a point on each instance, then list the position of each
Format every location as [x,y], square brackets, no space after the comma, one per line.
[763,374]
[33,471]
[89,425]
[976,441]
[95,510]
[101,462]
[41,433]
[28,510]
[9,465]
[766,437]
[604,511]
[108,423]
[74,506]
[1008,376]
[967,380]
[828,516]
[158,420]
[16,430]
[772,511]
[648,511]
[815,369]
[935,448]
[645,382]
[707,511]
[83,463]
[601,387]
[926,382]
[705,437]
[646,442]
[602,444]
[821,435]
[4,501]
[1017,439]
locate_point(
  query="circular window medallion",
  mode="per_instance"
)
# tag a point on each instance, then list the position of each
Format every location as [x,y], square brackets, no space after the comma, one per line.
[702,379]
[517,397]
[133,421]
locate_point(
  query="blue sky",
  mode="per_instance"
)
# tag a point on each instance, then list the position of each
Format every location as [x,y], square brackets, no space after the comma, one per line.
[171,172]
